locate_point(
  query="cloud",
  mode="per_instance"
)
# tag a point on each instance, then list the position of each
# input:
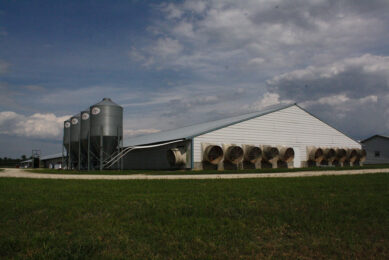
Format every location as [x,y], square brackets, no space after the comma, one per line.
[261,35]
[351,93]
[81,97]
[268,99]
[171,11]
[353,77]
[4,67]
[184,29]
[196,6]
[132,132]
[3,33]
[166,47]
[44,126]
[176,11]
[34,88]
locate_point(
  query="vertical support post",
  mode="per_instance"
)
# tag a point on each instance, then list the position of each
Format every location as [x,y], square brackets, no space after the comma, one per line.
[63,145]
[62,155]
[118,147]
[121,147]
[101,149]
[70,157]
[69,151]
[89,151]
[191,154]
[79,143]
[79,154]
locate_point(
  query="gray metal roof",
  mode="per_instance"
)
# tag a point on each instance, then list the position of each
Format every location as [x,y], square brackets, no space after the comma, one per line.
[191,131]
[51,156]
[374,136]
[106,102]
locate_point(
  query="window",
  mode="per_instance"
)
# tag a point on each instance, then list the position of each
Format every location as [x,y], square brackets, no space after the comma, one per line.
[377,154]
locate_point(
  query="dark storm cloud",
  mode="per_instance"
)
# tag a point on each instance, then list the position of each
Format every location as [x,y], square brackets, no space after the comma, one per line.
[353,94]
[354,77]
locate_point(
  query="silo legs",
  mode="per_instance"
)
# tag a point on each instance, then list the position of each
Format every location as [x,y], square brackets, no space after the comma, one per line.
[101,151]
[88,152]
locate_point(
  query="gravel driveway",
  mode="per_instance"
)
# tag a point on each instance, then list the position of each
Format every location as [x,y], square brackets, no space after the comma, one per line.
[19,173]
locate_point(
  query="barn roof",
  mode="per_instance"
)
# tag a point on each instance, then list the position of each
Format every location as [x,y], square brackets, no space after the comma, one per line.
[51,156]
[191,131]
[374,136]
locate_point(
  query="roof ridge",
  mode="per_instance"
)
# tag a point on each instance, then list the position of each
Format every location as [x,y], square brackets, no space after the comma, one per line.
[376,135]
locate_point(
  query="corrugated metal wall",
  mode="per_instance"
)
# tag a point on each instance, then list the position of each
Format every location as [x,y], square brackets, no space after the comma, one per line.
[153,158]
[377,144]
[288,127]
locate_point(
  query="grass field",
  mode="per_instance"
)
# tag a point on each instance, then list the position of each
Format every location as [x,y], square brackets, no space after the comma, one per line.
[177,172]
[323,217]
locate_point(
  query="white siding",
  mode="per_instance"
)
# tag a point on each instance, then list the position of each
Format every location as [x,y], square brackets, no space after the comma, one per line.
[377,144]
[291,126]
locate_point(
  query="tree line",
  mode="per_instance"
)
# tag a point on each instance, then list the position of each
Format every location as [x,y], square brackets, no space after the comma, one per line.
[12,162]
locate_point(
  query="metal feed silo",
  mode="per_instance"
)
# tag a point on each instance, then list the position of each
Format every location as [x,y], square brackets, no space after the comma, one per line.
[75,140]
[66,141]
[84,138]
[106,129]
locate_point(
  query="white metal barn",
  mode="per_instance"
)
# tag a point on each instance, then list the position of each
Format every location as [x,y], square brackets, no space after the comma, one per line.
[53,161]
[278,136]
[377,149]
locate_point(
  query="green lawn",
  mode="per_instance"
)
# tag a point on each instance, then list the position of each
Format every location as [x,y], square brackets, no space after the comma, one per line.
[179,172]
[323,217]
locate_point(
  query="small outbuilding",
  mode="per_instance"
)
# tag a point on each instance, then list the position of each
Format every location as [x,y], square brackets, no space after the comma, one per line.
[53,161]
[26,163]
[377,149]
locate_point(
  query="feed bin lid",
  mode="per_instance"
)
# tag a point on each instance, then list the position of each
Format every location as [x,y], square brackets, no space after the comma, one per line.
[106,102]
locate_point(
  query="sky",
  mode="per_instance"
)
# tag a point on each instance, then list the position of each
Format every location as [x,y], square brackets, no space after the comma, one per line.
[176,63]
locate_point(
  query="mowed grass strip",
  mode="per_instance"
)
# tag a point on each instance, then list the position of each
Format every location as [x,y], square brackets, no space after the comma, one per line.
[198,172]
[323,217]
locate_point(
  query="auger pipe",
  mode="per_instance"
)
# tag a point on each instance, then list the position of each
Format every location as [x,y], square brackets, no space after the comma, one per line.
[131,148]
